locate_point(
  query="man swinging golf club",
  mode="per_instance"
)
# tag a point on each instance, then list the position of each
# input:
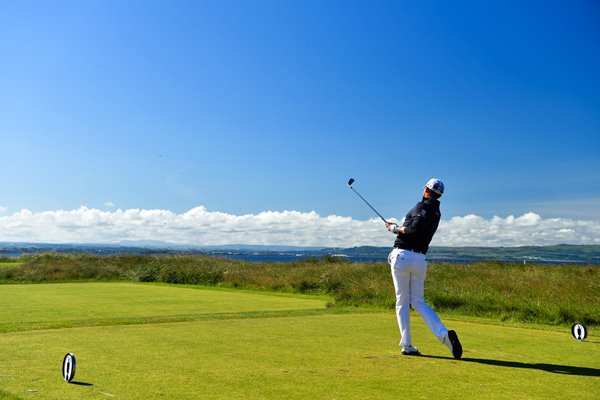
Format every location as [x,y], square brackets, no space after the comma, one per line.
[409,268]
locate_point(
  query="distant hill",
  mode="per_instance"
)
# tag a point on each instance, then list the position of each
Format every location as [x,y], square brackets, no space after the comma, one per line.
[559,254]
[584,254]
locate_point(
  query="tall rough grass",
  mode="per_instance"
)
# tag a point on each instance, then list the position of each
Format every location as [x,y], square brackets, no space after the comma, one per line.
[510,292]
[529,293]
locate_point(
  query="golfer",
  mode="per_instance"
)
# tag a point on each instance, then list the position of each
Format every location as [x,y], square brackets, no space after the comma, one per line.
[409,268]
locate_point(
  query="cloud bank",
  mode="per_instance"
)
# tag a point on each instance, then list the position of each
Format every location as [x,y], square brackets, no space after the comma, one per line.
[202,227]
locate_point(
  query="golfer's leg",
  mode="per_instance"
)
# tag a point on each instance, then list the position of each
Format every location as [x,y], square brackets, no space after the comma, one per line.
[432,320]
[402,286]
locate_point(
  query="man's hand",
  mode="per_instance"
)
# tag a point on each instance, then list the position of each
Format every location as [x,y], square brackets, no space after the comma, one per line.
[393,227]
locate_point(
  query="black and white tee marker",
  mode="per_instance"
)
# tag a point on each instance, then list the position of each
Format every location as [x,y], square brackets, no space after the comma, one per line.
[579,331]
[68,367]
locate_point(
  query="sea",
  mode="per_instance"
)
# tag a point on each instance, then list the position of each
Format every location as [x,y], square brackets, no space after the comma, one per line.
[562,254]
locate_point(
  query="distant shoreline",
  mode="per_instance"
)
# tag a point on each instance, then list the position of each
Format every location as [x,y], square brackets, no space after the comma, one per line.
[558,254]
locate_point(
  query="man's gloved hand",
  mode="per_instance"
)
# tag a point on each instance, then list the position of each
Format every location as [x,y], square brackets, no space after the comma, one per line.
[392,227]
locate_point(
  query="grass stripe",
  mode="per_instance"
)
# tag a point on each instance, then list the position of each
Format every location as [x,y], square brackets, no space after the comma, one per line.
[43,325]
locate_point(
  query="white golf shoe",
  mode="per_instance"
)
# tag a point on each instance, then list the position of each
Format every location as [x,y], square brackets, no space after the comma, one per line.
[410,350]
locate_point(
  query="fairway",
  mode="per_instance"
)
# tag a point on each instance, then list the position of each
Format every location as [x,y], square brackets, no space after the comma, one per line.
[215,344]
[79,304]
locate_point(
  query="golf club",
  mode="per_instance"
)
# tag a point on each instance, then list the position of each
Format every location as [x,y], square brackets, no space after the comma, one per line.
[350,182]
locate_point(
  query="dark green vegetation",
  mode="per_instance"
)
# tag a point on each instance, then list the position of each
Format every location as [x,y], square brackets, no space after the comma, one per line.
[545,294]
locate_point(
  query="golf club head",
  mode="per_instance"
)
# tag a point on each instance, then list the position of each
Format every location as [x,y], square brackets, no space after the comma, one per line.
[351,181]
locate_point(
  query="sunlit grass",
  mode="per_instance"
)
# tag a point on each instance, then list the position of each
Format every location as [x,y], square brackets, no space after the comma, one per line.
[262,351]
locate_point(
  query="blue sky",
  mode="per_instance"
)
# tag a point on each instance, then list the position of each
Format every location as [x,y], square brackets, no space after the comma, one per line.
[257,113]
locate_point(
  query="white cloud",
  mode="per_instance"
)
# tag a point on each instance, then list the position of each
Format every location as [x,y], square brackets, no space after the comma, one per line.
[528,229]
[109,204]
[200,226]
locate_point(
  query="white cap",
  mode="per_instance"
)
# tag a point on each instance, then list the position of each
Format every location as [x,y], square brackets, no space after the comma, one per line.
[436,186]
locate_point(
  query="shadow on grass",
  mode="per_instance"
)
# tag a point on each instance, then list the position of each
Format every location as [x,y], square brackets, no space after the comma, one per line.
[81,383]
[557,369]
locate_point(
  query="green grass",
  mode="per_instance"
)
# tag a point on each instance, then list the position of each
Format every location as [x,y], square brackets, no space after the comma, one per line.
[559,295]
[32,307]
[10,262]
[223,344]
[543,294]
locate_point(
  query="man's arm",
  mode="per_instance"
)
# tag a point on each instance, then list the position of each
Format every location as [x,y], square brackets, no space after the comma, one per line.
[415,224]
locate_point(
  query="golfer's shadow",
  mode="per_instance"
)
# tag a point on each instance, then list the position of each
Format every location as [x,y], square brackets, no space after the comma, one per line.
[557,369]
[81,383]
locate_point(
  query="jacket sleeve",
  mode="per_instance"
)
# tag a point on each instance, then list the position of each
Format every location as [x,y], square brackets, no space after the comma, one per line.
[415,224]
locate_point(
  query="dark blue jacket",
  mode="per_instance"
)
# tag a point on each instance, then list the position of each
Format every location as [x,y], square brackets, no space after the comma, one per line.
[420,223]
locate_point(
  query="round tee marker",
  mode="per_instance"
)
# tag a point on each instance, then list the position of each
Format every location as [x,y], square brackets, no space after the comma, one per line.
[68,367]
[579,331]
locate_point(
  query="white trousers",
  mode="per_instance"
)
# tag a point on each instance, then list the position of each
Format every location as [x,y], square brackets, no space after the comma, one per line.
[408,271]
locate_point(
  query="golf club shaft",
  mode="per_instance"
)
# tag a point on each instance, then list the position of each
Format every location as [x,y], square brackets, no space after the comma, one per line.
[363,199]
